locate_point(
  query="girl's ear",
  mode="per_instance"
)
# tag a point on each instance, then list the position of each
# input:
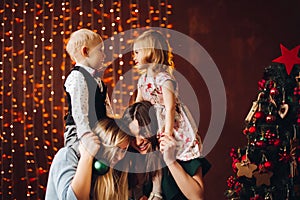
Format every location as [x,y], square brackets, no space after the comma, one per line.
[84,51]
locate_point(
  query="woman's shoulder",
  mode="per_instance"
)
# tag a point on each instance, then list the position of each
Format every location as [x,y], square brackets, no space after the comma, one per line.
[66,155]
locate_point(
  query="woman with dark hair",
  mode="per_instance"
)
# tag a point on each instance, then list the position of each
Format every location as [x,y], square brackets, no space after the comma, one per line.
[179,180]
[145,159]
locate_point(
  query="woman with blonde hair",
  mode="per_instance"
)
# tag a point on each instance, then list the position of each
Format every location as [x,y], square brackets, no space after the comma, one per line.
[73,173]
[114,183]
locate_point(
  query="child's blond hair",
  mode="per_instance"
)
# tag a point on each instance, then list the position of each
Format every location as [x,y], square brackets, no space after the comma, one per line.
[80,38]
[156,51]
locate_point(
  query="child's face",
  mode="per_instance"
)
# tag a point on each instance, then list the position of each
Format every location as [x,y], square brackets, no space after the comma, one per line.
[95,55]
[138,55]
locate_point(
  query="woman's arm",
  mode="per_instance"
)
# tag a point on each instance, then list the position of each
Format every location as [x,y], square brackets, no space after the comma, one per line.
[81,183]
[191,187]
[169,102]
[156,193]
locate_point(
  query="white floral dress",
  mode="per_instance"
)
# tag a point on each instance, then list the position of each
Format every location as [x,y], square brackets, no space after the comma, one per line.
[185,130]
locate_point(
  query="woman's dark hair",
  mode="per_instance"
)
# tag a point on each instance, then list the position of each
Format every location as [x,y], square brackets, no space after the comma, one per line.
[145,114]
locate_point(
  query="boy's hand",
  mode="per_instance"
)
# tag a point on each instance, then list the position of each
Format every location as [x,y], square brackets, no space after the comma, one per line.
[89,144]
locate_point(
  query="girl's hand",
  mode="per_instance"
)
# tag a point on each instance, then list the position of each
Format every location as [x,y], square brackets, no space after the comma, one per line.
[168,148]
[89,144]
[168,133]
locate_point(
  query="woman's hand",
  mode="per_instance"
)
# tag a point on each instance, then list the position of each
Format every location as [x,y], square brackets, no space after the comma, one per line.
[89,144]
[167,147]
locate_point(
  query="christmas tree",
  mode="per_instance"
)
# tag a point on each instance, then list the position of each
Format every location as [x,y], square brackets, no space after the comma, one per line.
[268,166]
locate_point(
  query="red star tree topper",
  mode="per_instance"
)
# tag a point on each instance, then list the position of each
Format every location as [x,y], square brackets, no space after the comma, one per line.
[289,58]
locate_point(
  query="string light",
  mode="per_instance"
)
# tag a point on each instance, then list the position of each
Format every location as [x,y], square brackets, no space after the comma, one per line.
[24,102]
[34,180]
[2,133]
[12,97]
[34,65]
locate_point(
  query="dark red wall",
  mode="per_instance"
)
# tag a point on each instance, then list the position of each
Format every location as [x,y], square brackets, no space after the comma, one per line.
[242,37]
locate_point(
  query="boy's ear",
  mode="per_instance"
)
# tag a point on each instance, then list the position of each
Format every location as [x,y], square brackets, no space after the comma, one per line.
[84,51]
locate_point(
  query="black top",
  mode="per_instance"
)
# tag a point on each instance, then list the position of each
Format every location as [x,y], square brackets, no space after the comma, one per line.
[97,105]
[170,189]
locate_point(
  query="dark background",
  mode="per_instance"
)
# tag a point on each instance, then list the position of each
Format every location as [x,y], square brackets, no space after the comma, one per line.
[242,37]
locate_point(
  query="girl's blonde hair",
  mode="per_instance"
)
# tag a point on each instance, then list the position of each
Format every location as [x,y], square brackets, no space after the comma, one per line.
[156,51]
[114,184]
[80,38]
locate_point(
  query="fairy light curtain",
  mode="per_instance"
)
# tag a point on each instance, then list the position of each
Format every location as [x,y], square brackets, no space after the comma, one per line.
[34,65]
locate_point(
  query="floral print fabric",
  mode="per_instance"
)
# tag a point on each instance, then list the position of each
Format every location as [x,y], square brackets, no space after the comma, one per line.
[185,129]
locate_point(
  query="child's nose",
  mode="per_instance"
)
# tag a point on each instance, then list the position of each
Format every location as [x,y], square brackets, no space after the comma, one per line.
[103,55]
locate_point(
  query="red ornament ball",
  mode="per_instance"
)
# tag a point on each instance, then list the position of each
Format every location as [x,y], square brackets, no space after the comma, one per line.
[244,158]
[259,115]
[252,129]
[268,165]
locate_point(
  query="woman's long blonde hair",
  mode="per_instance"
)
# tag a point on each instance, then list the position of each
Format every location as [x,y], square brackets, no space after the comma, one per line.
[156,52]
[113,184]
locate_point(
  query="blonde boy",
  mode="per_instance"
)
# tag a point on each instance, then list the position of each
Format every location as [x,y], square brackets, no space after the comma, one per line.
[86,94]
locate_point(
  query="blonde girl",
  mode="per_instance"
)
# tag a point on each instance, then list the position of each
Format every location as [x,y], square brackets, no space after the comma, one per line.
[153,57]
